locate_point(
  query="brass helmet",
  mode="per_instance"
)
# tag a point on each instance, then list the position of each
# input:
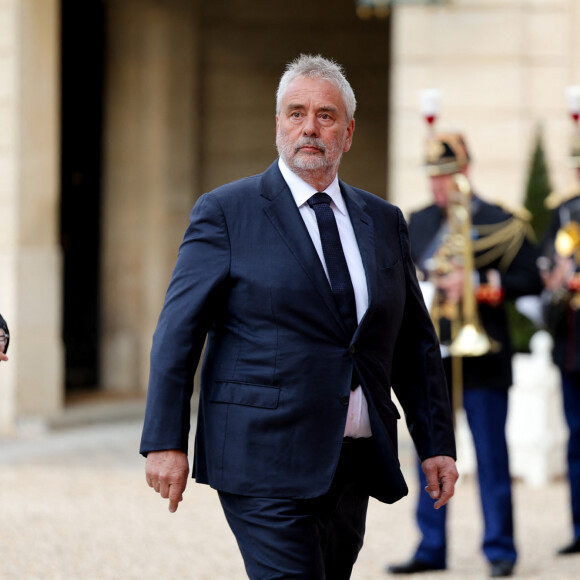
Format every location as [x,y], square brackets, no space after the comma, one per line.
[445,153]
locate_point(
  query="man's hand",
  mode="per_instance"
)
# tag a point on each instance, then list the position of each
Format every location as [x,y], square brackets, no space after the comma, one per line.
[452,284]
[3,357]
[560,273]
[167,473]
[441,474]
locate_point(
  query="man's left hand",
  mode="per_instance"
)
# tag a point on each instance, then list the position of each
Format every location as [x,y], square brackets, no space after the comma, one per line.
[167,472]
[441,474]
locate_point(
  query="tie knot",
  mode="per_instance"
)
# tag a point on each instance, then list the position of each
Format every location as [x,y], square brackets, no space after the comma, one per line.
[319,197]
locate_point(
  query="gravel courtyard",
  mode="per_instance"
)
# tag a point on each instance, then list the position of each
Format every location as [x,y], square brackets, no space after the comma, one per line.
[74,505]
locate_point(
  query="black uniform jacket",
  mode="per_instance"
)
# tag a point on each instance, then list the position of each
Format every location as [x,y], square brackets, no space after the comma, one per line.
[564,321]
[519,279]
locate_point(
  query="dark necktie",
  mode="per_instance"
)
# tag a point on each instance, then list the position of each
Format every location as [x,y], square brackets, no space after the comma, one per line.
[336,266]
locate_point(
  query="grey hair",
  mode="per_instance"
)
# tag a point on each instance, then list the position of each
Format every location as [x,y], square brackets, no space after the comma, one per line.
[317,67]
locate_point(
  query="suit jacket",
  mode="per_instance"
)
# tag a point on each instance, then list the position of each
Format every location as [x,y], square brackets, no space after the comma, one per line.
[278,361]
[521,278]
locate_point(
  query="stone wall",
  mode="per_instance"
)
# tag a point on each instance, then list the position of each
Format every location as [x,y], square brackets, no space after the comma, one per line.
[150,174]
[8,199]
[245,48]
[31,383]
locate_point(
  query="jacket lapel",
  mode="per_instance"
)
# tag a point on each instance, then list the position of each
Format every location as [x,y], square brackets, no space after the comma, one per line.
[363,227]
[286,219]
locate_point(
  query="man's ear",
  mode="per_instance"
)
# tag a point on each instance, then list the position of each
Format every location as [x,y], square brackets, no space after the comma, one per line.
[349,134]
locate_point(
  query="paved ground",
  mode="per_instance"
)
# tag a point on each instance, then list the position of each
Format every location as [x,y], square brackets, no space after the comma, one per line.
[74,505]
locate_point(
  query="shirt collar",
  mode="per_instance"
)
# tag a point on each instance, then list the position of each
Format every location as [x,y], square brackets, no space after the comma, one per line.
[302,191]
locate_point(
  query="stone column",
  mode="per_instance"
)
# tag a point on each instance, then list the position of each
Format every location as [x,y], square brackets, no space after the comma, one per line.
[31,384]
[149,174]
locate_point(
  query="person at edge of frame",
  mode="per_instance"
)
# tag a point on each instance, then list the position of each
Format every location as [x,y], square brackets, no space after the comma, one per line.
[504,268]
[307,294]
[4,339]
[560,270]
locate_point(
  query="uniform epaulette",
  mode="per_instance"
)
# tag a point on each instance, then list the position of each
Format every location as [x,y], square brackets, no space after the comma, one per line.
[501,241]
[519,212]
[559,196]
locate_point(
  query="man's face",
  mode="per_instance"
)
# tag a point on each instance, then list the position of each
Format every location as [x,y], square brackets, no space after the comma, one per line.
[2,341]
[440,187]
[311,129]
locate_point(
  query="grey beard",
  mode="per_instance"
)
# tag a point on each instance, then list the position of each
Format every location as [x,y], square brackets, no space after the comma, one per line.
[303,162]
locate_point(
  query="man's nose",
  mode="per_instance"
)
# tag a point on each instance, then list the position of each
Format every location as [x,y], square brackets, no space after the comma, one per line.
[310,127]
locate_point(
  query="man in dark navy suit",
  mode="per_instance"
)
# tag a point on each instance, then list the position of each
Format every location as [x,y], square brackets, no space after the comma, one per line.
[504,267]
[304,292]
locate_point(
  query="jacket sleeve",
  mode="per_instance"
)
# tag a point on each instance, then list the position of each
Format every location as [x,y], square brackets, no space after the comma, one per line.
[418,378]
[197,284]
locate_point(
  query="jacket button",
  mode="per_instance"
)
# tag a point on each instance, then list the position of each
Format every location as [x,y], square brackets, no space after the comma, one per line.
[344,400]
[351,349]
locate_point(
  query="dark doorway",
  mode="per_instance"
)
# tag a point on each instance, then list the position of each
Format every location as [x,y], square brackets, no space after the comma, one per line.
[82,29]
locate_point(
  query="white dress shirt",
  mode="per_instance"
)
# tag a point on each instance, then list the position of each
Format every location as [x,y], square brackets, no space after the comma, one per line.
[357,422]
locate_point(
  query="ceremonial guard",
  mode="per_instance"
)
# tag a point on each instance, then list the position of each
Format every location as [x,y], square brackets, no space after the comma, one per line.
[476,255]
[560,267]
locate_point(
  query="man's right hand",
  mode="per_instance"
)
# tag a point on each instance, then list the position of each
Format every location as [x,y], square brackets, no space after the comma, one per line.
[452,285]
[167,472]
[560,273]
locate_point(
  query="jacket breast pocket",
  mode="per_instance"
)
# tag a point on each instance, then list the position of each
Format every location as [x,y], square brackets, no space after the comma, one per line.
[246,394]
[389,261]
[391,297]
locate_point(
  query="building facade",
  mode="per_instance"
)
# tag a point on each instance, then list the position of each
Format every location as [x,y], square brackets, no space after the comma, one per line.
[115,115]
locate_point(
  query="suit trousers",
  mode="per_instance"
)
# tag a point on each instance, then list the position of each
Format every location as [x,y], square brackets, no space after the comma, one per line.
[486,411]
[571,401]
[306,539]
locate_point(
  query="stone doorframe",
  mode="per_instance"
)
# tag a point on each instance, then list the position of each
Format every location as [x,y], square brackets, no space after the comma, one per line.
[31,383]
